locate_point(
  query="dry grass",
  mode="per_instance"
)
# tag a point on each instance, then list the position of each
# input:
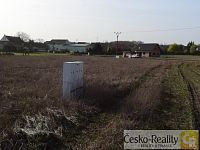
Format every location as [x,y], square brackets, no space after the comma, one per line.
[135,113]
[29,86]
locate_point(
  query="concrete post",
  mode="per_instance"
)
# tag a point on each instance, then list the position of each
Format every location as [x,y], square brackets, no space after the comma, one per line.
[73,79]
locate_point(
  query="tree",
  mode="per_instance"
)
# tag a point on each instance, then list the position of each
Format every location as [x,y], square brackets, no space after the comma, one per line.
[173,48]
[193,49]
[181,49]
[189,45]
[176,49]
[96,49]
[24,36]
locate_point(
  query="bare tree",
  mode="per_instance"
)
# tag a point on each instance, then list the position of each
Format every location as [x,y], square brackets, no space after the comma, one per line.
[24,36]
[40,40]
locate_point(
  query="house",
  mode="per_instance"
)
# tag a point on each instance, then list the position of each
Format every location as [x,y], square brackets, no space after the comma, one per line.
[148,50]
[11,43]
[57,44]
[79,47]
[60,45]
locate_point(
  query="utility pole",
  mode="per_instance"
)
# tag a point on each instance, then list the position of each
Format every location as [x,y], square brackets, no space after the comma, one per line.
[117,34]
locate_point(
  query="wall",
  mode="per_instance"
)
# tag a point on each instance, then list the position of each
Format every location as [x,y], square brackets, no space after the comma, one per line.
[156,51]
[57,47]
[77,48]
[1,46]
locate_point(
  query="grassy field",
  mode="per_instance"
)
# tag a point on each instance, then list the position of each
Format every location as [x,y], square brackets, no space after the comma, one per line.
[42,54]
[181,57]
[119,94]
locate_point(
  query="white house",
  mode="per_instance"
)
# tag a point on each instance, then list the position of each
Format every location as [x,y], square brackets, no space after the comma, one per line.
[63,45]
[57,44]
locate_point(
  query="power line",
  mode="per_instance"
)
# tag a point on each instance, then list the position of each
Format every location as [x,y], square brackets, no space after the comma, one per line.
[172,29]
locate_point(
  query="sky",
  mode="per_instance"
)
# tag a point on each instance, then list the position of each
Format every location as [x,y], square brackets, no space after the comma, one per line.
[160,21]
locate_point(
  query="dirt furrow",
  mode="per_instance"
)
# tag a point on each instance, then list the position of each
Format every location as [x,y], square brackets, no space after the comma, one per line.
[194,97]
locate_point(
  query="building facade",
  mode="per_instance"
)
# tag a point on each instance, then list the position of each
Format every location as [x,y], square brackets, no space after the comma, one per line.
[65,45]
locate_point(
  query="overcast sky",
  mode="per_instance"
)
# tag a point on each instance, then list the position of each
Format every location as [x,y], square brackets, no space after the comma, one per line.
[97,20]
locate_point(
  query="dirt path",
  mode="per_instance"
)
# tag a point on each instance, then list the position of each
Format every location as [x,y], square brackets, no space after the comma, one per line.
[175,112]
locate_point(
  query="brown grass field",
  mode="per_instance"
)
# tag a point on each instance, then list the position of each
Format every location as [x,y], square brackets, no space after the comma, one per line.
[120,94]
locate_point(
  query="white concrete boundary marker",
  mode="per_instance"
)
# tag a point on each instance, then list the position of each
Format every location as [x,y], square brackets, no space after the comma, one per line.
[73,79]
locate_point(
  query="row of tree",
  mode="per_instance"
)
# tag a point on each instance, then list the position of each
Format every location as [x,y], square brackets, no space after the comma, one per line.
[190,49]
[112,48]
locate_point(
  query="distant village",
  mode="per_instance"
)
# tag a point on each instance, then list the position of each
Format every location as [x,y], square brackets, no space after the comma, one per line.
[16,44]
